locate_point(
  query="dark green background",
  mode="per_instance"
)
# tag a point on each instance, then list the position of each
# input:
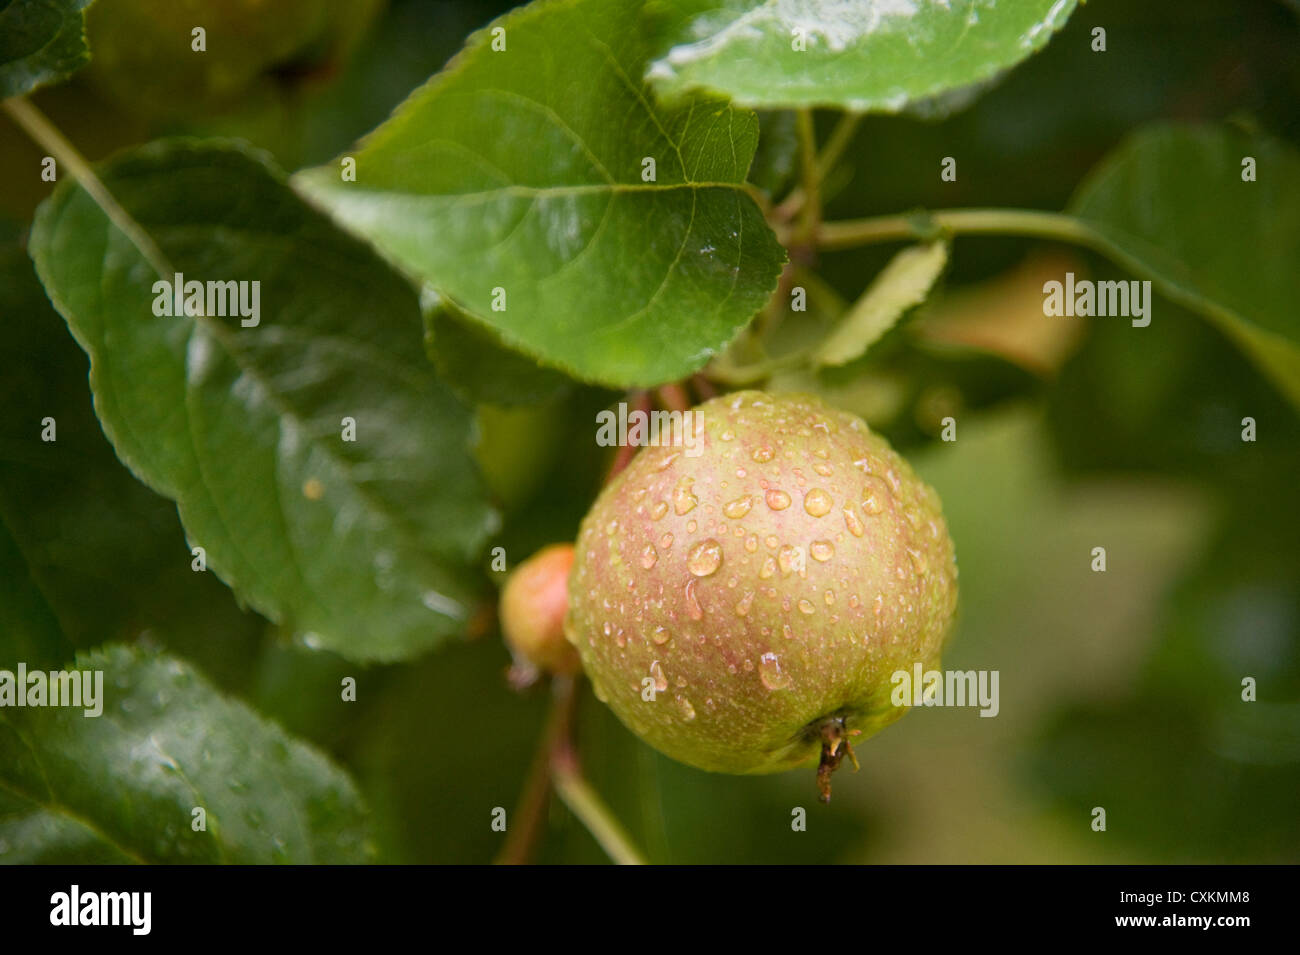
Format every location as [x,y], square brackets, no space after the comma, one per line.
[1119,690]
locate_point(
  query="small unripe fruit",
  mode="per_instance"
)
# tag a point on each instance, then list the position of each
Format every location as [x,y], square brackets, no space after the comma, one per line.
[742,604]
[533,604]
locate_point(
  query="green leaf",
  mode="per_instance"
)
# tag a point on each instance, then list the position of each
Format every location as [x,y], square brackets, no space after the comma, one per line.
[903,284]
[105,553]
[41,41]
[861,55]
[359,543]
[123,786]
[471,359]
[520,171]
[1171,204]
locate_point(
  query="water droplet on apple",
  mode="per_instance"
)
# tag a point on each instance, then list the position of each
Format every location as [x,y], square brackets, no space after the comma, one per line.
[704,558]
[771,674]
[817,502]
[778,500]
[738,508]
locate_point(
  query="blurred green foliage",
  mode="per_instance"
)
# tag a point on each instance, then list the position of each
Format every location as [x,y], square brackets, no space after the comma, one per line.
[1120,690]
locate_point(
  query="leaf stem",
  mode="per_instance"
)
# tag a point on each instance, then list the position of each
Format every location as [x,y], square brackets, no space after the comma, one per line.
[591,810]
[821,164]
[673,396]
[639,399]
[704,389]
[927,225]
[33,122]
[837,142]
[810,214]
[741,375]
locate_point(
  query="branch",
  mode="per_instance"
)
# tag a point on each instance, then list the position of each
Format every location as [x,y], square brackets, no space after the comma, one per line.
[926,225]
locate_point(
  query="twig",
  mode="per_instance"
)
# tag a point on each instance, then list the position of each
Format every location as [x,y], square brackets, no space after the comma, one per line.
[592,812]
[810,214]
[836,143]
[42,131]
[815,166]
[530,811]
[556,764]
[925,225]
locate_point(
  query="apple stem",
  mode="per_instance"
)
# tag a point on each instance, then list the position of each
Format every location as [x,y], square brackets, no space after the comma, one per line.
[556,767]
[526,822]
[674,397]
[600,821]
[703,387]
[638,400]
[835,746]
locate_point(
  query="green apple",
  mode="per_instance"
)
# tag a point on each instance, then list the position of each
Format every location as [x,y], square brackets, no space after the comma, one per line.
[742,600]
